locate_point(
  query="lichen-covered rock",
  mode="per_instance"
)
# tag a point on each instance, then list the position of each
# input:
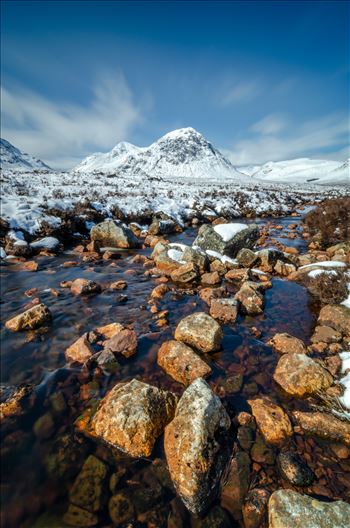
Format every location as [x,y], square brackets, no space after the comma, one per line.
[237,484]
[84,287]
[226,239]
[211,278]
[80,351]
[247,258]
[198,258]
[88,488]
[16,401]
[238,275]
[186,273]
[294,469]
[32,318]
[196,446]
[299,375]
[225,310]
[335,316]
[123,342]
[272,421]
[324,425]
[207,294]
[289,509]
[181,363]
[200,331]
[252,301]
[112,234]
[132,416]
[286,344]
[76,516]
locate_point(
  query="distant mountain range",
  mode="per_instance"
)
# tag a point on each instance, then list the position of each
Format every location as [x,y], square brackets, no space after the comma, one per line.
[185,153]
[12,158]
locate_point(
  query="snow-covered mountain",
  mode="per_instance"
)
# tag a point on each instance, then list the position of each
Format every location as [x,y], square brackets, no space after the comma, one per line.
[12,158]
[183,153]
[302,170]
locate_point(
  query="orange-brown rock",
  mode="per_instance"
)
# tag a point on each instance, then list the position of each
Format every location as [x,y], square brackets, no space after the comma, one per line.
[299,375]
[29,265]
[84,287]
[80,351]
[181,362]
[238,275]
[32,318]
[196,448]
[325,334]
[159,291]
[211,279]
[272,421]
[225,310]
[286,344]
[118,285]
[324,425]
[123,342]
[207,294]
[252,301]
[186,273]
[132,416]
[200,331]
[335,316]
[108,331]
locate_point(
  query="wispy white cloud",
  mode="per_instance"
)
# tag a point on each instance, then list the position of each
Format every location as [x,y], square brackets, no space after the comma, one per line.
[274,141]
[61,133]
[270,124]
[243,91]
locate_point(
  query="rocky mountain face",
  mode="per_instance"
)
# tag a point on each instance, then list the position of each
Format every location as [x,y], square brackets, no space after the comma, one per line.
[182,153]
[14,159]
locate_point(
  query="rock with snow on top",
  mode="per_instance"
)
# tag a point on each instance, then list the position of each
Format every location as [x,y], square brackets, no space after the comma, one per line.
[49,243]
[227,239]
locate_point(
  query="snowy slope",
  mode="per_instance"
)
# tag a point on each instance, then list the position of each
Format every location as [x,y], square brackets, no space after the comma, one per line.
[183,153]
[12,158]
[304,170]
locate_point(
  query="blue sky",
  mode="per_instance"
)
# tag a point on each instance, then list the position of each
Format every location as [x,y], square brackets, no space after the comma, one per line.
[261,80]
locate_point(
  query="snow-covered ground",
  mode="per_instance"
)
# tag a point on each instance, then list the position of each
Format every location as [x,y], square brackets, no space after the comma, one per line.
[303,170]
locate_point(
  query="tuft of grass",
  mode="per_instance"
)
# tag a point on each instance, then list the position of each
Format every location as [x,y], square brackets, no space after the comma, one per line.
[330,221]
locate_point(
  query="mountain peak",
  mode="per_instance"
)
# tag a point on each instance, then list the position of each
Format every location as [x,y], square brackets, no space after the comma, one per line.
[15,159]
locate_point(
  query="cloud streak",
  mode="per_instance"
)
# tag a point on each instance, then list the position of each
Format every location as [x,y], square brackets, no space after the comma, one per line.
[241,92]
[61,133]
[273,140]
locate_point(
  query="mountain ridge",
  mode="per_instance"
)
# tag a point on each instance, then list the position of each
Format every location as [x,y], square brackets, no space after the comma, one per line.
[13,158]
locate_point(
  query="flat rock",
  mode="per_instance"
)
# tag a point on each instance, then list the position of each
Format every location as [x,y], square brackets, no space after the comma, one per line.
[299,375]
[84,287]
[325,334]
[112,234]
[289,509]
[80,351]
[123,342]
[200,331]
[196,446]
[238,275]
[132,416]
[225,310]
[286,344]
[32,318]
[181,362]
[324,425]
[272,421]
[335,316]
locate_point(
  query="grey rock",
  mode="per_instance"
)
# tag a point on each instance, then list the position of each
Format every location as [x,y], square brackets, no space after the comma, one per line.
[208,238]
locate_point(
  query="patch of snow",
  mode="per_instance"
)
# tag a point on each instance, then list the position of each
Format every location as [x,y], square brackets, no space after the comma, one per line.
[2,253]
[176,255]
[316,272]
[45,243]
[325,264]
[228,231]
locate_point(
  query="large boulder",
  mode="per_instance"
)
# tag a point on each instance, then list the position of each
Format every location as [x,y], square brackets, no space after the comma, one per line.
[113,234]
[132,416]
[289,509]
[32,318]
[181,362]
[272,421]
[196,446]
[226,239]
[200,331]
[299,375]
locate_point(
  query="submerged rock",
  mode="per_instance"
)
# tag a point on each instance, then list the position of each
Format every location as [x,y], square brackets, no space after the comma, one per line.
[200,331]
[272,421]
[324,425]
[121,509]
[237,484]
[181,363]
[294,469]
[132,416]
[196,446]
[76,516]
[112,234]
[289,509]
[299,375]
[286,344]
[325,334]
[88,488]
[32,318]
[16,401]
[226,239]
[254,508]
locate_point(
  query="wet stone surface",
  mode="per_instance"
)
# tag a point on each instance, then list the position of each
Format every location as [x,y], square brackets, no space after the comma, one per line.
[44,451]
